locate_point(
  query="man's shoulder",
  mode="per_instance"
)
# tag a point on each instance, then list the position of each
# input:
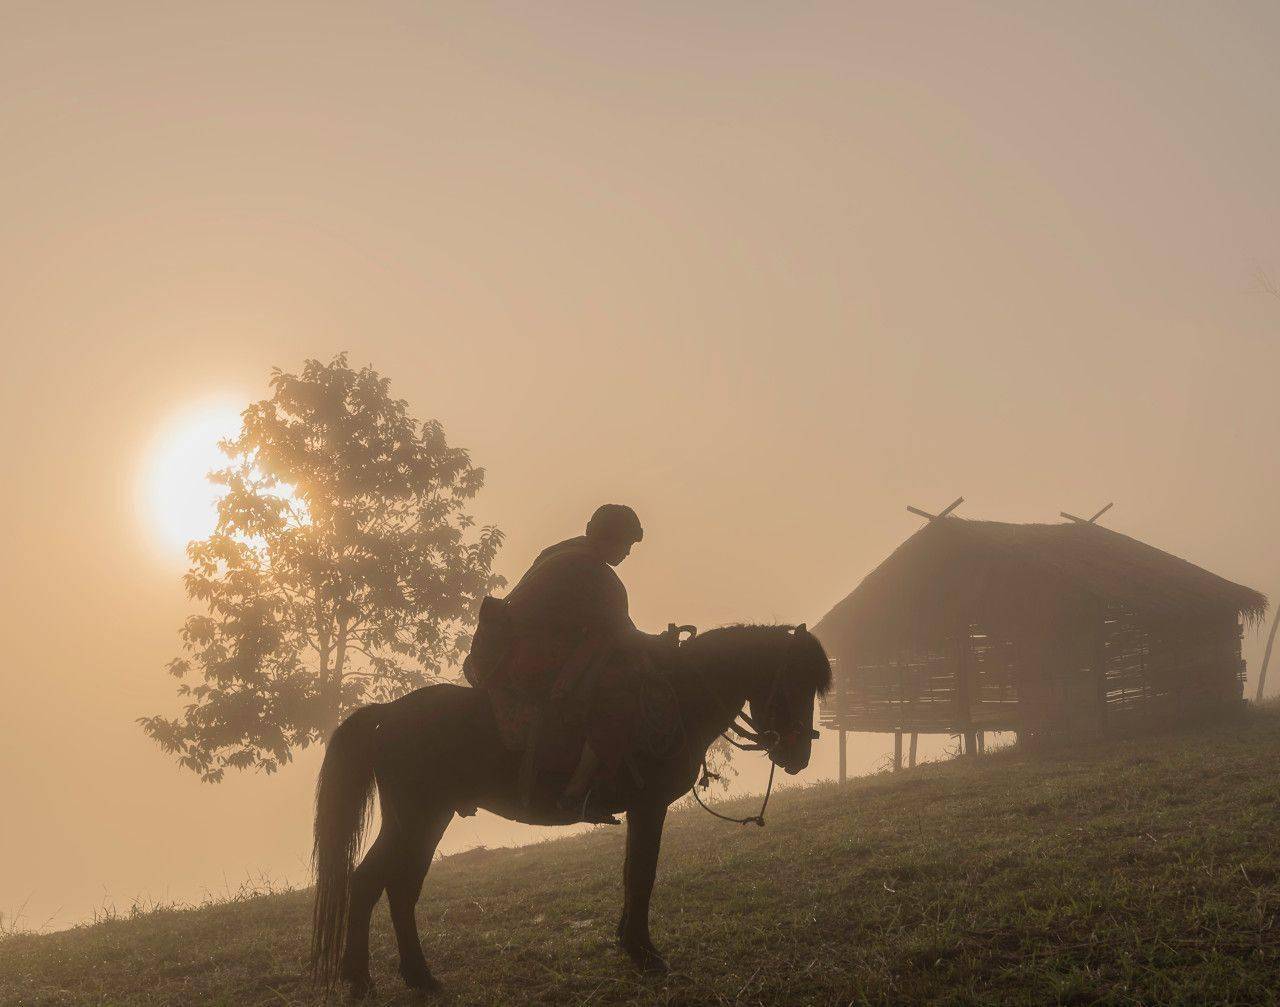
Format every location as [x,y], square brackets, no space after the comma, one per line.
[574,557]
[575,544]
[570,549]
[577,562]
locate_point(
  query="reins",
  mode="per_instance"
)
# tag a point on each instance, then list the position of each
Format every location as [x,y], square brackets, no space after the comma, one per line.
[705,781]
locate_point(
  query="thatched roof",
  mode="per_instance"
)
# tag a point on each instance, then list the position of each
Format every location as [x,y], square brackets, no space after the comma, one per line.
[1011,576]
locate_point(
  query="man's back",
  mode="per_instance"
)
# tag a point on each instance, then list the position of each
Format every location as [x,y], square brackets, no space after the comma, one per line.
[570,591]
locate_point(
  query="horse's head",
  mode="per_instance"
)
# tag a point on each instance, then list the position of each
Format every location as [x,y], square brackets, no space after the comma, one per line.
[782,698]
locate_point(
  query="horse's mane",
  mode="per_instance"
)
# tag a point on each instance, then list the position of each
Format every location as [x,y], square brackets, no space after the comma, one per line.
[808,661]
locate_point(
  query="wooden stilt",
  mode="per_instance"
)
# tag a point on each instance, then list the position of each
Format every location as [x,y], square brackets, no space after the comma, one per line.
[897,751]
[911,758]
[964,712]
[982,742]
[844,755]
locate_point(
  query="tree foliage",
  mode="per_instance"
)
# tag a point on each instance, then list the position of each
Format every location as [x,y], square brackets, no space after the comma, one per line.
[343,570]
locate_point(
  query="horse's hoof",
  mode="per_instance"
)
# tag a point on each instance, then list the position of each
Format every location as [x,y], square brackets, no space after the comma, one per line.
[647,959]
[654,965]
[423,982]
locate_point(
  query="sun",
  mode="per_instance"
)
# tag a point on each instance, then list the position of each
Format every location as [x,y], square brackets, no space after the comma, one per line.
[177,501]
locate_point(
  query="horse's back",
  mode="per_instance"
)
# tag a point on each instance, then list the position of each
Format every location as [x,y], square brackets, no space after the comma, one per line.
[435,731]
[442,712]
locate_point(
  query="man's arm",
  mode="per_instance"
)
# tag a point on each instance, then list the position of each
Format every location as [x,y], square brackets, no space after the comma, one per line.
[617,620]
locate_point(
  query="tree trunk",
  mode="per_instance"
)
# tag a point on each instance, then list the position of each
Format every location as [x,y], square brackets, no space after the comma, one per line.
[331,697]
[339,664]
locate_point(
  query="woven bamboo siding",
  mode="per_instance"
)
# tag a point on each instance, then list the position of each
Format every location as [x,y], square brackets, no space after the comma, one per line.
[993,690]
[1151,674]
[1160,672]
[921,692]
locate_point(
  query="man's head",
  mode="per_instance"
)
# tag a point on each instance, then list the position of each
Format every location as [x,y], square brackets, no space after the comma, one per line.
[614,529]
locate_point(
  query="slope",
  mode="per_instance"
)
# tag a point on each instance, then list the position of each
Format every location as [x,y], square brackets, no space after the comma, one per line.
[1142,871]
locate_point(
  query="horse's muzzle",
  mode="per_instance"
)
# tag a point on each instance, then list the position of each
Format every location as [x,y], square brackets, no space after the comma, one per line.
[792,762]
[792,755]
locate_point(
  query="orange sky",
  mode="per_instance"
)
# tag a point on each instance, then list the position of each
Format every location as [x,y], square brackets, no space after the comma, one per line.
[769,273]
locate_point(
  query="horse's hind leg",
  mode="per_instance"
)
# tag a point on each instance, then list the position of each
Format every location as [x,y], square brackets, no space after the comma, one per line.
[420,835]
[367,884]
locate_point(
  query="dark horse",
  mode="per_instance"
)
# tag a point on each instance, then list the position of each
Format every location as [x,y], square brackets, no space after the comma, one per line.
[437,750]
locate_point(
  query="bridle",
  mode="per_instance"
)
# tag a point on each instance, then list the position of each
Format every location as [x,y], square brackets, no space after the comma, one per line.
[756,740]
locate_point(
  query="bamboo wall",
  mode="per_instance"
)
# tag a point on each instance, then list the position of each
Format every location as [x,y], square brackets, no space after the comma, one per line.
[1162,672]
[969,685]
[1114,673]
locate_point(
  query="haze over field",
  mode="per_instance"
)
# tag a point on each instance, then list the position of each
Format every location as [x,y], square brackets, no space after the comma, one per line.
[766,274]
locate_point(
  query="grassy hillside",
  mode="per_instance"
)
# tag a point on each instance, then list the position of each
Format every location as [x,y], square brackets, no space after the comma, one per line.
[1143,872]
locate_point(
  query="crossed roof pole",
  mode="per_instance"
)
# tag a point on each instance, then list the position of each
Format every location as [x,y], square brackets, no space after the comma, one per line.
[1092,520]
[959,500]
[941,514]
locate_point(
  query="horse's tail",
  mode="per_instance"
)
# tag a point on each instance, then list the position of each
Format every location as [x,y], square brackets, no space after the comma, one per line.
[344,804]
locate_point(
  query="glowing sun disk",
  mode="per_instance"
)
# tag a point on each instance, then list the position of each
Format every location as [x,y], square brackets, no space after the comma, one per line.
[179,503]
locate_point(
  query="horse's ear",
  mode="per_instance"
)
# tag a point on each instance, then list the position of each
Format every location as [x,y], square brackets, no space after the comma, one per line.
[800,629]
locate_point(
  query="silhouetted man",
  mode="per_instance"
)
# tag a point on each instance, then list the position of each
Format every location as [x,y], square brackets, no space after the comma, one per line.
[572,641]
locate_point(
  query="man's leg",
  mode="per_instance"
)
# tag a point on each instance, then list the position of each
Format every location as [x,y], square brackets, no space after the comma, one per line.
[578,800]
[580,783]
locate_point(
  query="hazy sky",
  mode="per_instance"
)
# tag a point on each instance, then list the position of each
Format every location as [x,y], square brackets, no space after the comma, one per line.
[768,272]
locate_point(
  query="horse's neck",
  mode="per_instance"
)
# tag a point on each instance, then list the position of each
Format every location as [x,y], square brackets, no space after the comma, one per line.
[712,694]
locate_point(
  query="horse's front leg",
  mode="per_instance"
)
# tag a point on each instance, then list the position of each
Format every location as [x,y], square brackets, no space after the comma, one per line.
[644,836]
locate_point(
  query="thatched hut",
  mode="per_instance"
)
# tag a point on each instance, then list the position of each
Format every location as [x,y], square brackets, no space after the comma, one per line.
[1072,628]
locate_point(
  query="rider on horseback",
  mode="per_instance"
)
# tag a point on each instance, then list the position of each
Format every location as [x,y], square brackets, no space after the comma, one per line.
[558,651]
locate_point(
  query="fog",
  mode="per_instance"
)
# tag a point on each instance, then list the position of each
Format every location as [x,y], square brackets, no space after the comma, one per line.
[768,275]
